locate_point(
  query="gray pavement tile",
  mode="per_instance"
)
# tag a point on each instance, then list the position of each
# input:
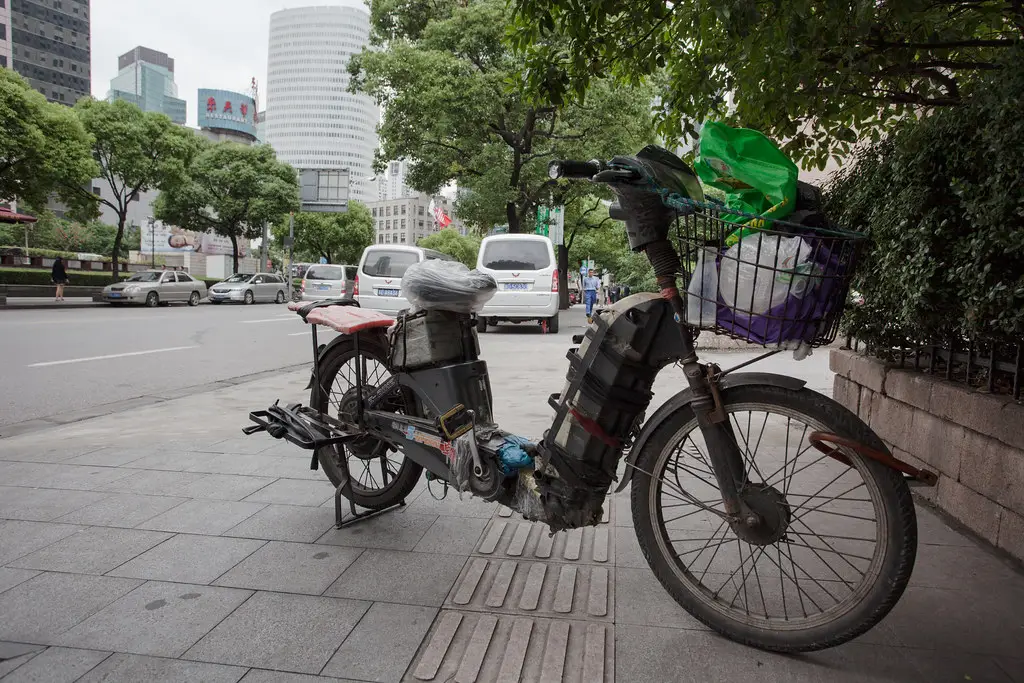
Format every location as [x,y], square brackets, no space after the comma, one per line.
[66,476]
[292,466]
[43,607]
[189,559]
[110,457]
[9,578]
[9,665]
[232,464]
[211,517]
[383,644]
[57,665]
[391,530]
[405,578]
[640,599]
[122,668]
[265,676]
[43,505]
[276,631]
[224,486]
[981,621]
[169,461]
[11,650]
[453,535]
[290,568]
[426,504]
[244,445]
[122,510]
[152,482]
[295,492]
[623,513]
[627,549]
[656,655]
[31,451]
[95,550]
[19,538]
[937,667]
[943,566]
[933,530]
[156,618]
[285,523]
[1013,668]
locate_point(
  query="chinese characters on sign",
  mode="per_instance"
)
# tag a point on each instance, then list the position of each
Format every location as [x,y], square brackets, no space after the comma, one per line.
[211,104]
[228,108]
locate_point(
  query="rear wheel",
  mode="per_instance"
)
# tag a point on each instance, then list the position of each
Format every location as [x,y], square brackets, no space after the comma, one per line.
[836,546]
[193,299]
[152,300]
[280,298]
[481,324]
[553,323]
[381,474]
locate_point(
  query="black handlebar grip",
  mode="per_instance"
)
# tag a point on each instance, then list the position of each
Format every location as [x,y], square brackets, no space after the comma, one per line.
[573,169]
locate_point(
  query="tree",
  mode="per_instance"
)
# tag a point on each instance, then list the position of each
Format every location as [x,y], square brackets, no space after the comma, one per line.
[447,83]
[338,237]
[136,151]
[231,189]
[819,74]
[462,248]
[44,147]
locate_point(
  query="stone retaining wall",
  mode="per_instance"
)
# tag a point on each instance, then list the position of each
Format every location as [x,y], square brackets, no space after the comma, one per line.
[973,441]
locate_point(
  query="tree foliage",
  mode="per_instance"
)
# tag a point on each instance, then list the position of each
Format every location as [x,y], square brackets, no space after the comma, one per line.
[136,151]
[231,189]
[338,237]
[942,199]
[447,82]
[820,74]
[462,248]
[50,232]
[43,148]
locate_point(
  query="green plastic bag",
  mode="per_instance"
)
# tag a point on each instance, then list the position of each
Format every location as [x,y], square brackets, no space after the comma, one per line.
[752,171]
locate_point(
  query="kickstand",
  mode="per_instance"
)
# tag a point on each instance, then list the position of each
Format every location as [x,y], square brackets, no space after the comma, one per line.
[345,489]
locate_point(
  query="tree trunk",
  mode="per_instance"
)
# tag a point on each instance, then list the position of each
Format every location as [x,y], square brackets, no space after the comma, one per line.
[563,276]
[512,217]
[115,257]
[234,252]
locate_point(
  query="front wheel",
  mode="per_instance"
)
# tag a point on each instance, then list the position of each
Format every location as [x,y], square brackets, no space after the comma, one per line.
[553,324]
[248,298]
[152,300]
[193,299]
[280,297]
[837,542]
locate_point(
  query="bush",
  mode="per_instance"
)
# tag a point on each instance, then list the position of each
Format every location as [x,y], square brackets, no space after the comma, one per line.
[942,199]
[39,276]
[448,241]
[49,253]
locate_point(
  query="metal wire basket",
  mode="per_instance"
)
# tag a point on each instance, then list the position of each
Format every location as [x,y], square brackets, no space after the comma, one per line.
[768,282]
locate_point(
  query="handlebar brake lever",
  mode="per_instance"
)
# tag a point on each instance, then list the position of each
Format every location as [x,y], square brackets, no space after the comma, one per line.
[613,175]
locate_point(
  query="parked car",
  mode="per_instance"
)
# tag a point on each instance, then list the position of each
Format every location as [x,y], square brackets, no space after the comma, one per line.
[378,282]
[525,269]
[248,288]
[155,287]
[328,281]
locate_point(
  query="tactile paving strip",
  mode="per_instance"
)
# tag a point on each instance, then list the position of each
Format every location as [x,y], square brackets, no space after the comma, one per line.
[466,647]
[516,538]
[535,588]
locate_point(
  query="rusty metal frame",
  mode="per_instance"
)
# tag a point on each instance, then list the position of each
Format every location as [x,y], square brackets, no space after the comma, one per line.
[821,441]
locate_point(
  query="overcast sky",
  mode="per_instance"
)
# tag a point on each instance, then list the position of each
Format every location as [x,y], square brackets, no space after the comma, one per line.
[214,43]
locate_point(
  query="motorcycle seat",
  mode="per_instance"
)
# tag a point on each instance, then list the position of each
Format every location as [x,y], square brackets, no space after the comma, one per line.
[348,319]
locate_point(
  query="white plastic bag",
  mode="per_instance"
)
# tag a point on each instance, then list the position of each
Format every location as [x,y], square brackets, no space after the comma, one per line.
[702,292]
[761,271]
[436,285]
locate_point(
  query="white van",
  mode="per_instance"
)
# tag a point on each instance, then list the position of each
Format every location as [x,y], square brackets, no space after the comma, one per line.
[525,269]
[379,279]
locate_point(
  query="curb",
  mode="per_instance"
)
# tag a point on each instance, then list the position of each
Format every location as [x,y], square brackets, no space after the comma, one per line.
[51,306]
[61,419]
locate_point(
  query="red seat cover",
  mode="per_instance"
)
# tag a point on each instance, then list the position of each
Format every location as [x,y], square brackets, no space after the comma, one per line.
[348,319]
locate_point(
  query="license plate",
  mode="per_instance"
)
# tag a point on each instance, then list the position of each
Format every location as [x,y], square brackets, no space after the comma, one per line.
[323,287]
[387,292]
[115,295]
[516,285]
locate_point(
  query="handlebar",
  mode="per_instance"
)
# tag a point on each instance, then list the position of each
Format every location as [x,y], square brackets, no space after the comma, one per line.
[567,168]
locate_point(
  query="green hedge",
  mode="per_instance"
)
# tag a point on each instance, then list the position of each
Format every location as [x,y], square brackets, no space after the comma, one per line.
[47,253]
[942,197]
[39,276]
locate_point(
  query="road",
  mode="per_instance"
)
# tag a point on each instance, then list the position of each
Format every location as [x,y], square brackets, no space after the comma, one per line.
[60,361]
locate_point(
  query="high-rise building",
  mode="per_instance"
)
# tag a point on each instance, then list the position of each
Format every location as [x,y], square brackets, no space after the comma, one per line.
[312,121]
[391,184]
[145,77]
[5,34]
[406,220]
[49,46]
[225,115]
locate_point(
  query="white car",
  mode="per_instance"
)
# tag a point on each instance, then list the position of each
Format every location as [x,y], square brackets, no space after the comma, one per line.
[378,282]
[247,288]
[526,271]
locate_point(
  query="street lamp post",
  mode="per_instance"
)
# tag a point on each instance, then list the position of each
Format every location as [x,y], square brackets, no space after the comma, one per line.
[291,250]
[152,241]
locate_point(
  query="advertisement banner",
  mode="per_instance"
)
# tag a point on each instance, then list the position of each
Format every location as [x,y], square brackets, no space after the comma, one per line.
[162,239]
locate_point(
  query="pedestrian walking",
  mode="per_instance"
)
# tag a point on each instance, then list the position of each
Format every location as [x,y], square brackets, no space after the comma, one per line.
[625,291]
[59,276]
[616,292]
[591,286]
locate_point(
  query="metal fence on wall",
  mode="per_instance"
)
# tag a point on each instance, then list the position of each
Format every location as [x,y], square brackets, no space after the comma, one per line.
[997,368]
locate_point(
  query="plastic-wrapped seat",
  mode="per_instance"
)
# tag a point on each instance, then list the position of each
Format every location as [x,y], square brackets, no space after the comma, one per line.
[436,285]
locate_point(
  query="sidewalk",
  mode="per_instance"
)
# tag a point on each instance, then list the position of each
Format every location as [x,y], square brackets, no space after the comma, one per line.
[44,302]
[162,545]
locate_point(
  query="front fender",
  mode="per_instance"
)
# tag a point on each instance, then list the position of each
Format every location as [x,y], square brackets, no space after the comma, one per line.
[683,398]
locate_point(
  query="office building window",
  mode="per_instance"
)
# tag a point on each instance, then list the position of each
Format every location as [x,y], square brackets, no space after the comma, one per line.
[420,226]
[420,209]
[3,30]
[388,223]
[403,237]
[387,210]
[403,221]
[375,212]
[394,236]
[403,209]
[3,61]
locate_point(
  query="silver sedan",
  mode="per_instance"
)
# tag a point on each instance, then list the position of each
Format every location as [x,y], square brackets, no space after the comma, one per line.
[155,287]
[249,288]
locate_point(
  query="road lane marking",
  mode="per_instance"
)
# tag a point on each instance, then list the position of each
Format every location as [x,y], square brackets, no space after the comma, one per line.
[271,320]
[113,355]
[296,334]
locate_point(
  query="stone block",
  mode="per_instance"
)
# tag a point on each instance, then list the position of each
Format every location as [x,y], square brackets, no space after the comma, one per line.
[846,392]
[910,387]
[867,372]
[1011,481]
[936,441]
[1011,425]
[840,361]
[977,513]
[57,665]
[864,404]
[121,668]
[1011,534]
[891,420]
[927,492]
[381,647]
[383,576]
[189,559]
